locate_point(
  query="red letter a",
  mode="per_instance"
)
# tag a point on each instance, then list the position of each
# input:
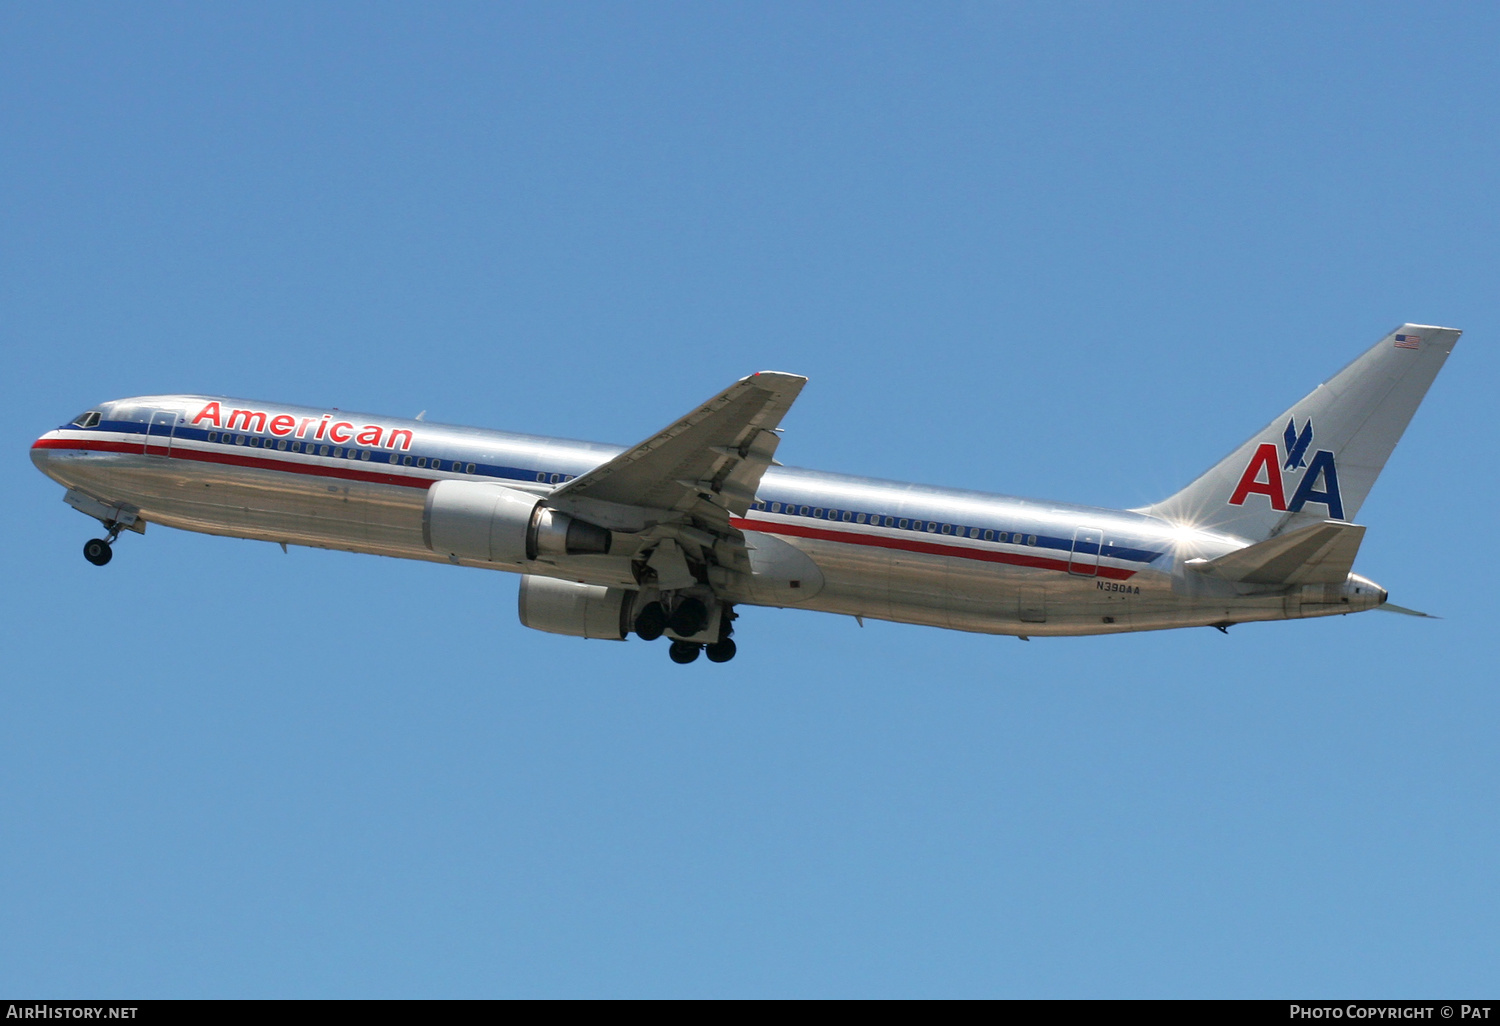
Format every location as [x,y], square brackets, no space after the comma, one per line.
[209,412]
[1265,457]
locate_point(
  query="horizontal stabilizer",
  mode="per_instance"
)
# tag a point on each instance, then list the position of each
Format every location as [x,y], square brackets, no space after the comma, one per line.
[1317,554]
[1391,607]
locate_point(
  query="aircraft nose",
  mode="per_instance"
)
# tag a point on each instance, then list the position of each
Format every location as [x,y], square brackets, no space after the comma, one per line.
[42,453]
[39,453]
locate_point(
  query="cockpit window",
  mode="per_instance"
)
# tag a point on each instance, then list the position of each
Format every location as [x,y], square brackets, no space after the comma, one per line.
[86,420]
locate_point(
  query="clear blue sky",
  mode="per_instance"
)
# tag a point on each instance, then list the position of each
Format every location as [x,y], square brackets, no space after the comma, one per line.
[1066,251]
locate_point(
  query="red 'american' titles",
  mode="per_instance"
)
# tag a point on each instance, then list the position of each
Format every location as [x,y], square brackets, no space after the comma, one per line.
[341,432]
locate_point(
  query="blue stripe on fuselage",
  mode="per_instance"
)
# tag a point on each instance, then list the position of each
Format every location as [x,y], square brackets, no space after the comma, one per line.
[534,475]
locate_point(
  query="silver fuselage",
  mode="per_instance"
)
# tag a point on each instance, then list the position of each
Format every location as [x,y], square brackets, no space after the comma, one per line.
[909,553]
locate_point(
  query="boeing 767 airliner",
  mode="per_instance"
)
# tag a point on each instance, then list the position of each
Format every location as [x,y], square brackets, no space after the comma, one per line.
[668,536]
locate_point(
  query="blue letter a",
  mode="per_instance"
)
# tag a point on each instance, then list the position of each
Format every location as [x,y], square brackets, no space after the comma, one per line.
[1322,466]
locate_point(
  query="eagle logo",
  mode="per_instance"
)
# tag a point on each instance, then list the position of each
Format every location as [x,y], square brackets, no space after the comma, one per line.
[1296,445]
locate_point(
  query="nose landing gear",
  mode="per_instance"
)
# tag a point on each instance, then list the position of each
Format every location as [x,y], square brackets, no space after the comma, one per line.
[99,551]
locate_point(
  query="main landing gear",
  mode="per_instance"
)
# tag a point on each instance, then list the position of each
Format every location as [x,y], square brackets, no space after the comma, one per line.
[689,617]
[720,651]
[99,551]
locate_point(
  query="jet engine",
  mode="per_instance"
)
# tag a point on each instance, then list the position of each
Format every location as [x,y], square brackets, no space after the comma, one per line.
[578,610]
[496,524]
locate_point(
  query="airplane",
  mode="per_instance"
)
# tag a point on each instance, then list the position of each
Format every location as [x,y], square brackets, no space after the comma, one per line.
[667,537]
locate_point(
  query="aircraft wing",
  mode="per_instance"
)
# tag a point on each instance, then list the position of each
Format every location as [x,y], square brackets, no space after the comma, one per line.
[707,464]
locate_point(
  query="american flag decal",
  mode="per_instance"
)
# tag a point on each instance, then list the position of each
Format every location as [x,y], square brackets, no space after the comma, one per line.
[1408,341]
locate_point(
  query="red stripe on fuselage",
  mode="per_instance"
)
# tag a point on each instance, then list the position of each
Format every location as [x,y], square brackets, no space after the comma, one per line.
[846,537]
[929,548]
[236,460]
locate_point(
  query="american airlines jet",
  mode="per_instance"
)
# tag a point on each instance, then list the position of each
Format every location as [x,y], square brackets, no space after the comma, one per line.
[668,536]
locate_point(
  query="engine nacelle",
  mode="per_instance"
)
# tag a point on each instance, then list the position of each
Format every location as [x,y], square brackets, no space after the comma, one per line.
[578,610]
[496,524]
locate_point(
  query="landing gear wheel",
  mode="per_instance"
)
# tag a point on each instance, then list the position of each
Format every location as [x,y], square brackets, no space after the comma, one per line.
[650,621]
[685,652]
[720,651]
[97,551]
[690,617]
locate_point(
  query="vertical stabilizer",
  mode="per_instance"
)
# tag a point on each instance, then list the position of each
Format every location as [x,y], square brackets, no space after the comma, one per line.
[1319,459]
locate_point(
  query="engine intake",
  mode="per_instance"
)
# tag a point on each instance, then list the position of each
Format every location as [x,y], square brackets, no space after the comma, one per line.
[495,524]
[577,610]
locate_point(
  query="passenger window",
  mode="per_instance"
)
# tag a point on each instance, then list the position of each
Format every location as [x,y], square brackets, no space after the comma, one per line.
[1031,539]
[859,519]
[254,441]
[847,516]
[469,469]
[904,524]
[338,451]
[804,511]
[239,439]
[818,512]
[213,436]
[406,461]
[556,478]
[541,478]
[989,536]
[296,447]
[948,529]
[932,527]
[364,454]
[775,507]
[281,444]
[421,461]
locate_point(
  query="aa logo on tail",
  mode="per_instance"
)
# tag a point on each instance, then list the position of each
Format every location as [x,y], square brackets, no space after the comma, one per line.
[1270,475]
[1296,445]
